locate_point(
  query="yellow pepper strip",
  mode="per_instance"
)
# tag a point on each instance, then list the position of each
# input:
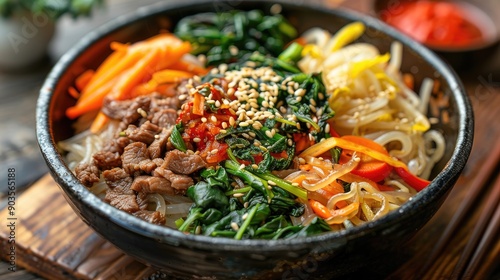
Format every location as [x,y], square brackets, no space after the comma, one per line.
[359,66]
[326,145]
[346,35]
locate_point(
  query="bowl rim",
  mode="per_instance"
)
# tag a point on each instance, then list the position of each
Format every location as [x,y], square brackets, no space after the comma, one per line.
[72,187]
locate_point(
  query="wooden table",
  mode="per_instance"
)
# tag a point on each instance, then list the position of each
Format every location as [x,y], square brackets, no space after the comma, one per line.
[69,249]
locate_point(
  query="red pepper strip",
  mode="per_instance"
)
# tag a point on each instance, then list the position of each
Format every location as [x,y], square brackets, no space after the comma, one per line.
[368,167]
[415,182]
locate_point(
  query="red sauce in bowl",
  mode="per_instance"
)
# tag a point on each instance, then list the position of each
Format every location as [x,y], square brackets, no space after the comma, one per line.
[441,24]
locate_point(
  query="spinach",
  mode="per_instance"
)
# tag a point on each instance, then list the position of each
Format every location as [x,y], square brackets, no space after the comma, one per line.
[206,196]
[216,34]
[176,138]
[216,177]
[196,214]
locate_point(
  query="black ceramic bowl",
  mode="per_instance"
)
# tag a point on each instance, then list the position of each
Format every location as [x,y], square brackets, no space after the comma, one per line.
[187,256]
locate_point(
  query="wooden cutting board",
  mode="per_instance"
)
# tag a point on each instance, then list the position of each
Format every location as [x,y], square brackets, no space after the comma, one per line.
[52,241]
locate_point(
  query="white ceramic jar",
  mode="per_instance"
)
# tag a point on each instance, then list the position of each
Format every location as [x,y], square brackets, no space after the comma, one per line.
[24,39]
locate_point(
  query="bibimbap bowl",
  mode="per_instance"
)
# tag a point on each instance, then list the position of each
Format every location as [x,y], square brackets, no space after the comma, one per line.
[326,255]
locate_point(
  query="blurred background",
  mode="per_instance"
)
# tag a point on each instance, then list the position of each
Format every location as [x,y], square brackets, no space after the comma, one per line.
[25,62]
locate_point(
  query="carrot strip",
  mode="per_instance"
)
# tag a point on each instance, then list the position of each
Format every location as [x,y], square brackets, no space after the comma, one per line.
[320,209]
[198,104]
[187,66]
[84,78]
[170,76]
[100,120]
[73,92]
[133,76]
[117,46]
[106,73]
[90,103]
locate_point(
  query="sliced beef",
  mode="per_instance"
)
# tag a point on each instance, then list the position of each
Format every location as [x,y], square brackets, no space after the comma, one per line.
[142,200]
[183,163]
[164,117]
[134,155]
[88,174]
[126,110]
[116,145]
[149,184]
[179,182]
[107,160]
[159,145]
[153,217]
[116,177]
[157,161]
[120,194]
[145,133]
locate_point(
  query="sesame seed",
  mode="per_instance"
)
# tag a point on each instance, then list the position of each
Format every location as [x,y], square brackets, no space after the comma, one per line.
[233,50]
[300,92]
[234,226]
[143,113]
[223,68]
